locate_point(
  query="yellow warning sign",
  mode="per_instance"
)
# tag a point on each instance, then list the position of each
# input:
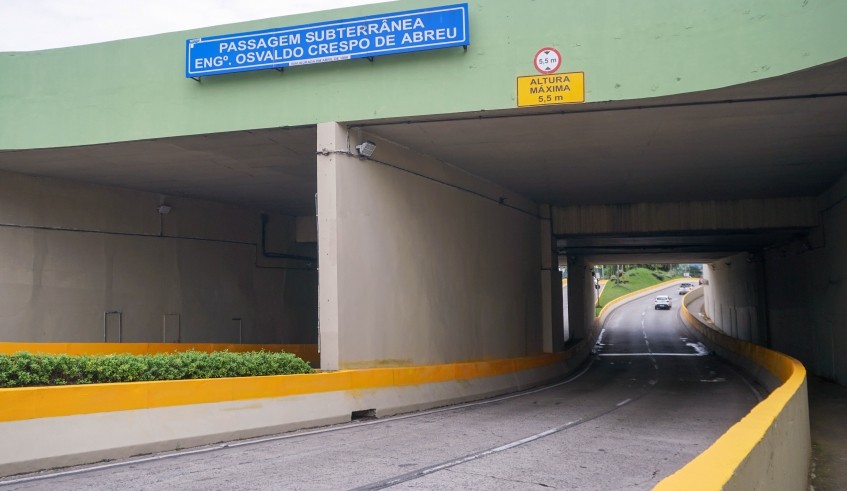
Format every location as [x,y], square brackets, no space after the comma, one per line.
[555,88]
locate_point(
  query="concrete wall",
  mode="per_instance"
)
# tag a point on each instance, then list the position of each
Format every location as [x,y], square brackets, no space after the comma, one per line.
[421,263]
[69,253]
[735,296]
[770,448]
[807,292]
[790,297]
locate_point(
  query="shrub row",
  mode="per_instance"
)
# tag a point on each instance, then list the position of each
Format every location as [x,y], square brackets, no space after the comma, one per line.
[26,370]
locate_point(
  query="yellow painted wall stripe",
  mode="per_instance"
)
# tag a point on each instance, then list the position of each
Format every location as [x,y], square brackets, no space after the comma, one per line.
[715,467]
[42,402]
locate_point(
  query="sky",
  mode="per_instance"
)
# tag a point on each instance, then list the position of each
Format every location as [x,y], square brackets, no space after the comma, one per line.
[29,25]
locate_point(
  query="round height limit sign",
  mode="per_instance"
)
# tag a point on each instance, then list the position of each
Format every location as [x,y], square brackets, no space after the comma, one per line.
[550,87]
[548,60]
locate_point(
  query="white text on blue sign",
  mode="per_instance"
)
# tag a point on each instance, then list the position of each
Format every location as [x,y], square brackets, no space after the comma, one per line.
[399,32]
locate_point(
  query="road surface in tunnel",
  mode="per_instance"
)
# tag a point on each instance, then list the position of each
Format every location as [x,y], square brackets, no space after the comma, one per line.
[649,401]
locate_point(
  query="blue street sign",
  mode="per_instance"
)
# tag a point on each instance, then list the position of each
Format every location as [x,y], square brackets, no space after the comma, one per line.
[361,37]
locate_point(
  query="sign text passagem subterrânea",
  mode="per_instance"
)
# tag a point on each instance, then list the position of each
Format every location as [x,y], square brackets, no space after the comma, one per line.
[361,37]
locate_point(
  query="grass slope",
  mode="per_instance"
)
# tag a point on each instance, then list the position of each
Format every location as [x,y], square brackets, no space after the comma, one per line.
[633,280]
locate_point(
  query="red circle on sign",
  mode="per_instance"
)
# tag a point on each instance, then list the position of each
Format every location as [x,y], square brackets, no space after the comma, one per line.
[547,60]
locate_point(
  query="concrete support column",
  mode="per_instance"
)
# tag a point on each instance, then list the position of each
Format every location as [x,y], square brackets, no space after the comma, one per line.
[331,139]
[581,297]
[553,335]
[421,263]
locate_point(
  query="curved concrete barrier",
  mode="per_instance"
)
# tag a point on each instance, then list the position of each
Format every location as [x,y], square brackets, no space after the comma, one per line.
[68,425]
[770,448]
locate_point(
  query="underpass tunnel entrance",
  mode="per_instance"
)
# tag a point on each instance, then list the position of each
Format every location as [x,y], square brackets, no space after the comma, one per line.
[735,303]
[444,244]
[777,286]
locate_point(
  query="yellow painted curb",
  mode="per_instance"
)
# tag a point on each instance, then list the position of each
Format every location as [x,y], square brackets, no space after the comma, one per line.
[717,465]
[43,402]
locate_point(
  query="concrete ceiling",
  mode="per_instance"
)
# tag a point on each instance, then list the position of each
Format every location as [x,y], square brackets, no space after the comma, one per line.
[780,137]
[689,248]
[269,169]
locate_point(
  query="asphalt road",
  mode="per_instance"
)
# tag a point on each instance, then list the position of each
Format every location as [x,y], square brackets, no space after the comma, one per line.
[648,402]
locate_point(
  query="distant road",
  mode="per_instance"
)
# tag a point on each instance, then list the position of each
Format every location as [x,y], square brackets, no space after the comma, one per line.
[649,401]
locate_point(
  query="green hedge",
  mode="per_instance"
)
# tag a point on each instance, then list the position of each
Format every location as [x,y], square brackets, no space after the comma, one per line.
[26,370]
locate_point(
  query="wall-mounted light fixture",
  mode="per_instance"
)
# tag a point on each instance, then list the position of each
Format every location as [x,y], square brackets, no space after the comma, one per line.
[366,148]
[163,209]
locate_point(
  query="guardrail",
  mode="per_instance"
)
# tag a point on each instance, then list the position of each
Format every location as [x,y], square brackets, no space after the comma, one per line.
[768,449]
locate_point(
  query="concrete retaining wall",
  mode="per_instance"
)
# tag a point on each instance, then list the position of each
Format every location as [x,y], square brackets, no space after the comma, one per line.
[768,449]
[735,297]
[807,286]
[61,426]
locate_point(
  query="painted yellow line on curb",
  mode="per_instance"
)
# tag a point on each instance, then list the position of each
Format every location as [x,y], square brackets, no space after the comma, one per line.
[715,467]
[42,402]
